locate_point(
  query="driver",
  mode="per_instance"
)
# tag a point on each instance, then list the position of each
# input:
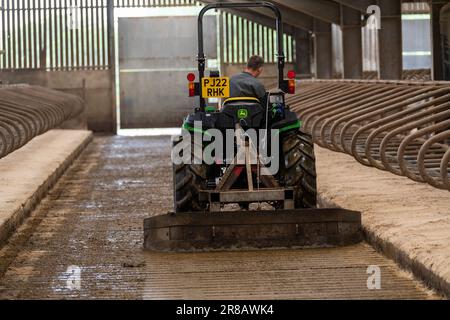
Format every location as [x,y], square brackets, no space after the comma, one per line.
[246,84]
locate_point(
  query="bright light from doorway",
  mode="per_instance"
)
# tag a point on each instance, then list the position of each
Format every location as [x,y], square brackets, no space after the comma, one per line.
[149,132]
[151,12]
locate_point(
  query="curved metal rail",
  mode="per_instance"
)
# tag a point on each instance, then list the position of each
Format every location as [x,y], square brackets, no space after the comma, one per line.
[402,127]
[29,111]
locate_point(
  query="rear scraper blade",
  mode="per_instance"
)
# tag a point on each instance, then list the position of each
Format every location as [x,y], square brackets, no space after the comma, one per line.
[238,230]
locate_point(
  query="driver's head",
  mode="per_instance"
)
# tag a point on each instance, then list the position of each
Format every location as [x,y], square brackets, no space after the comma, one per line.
[255,66]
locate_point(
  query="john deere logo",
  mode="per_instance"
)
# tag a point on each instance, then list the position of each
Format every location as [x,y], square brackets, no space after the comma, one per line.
[242,113]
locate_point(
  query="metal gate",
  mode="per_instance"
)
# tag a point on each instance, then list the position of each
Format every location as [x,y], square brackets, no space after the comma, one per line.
[155,55]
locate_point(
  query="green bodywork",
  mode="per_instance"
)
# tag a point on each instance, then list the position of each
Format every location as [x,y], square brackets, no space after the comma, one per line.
[294,126]
[190,128]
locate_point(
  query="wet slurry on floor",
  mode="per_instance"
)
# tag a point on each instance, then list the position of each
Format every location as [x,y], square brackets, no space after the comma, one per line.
[85,241]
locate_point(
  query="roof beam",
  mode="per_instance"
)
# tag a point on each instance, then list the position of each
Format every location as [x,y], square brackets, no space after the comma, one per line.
[360,5]
[297,20]
[260,19]
[263,20]
[324,10]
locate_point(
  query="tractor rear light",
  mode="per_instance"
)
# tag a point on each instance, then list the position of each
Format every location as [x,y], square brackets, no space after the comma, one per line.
[291,86]
[191,89]
[191,77]
[291,75]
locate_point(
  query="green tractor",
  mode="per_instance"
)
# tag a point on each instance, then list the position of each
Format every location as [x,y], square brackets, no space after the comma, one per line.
[267,161]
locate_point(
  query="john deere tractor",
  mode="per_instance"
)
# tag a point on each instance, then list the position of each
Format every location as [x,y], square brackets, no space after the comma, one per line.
[235,200]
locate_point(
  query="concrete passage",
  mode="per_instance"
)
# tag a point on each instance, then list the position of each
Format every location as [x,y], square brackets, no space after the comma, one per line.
[409,221]
[28,173]
[339,273]
[90,228]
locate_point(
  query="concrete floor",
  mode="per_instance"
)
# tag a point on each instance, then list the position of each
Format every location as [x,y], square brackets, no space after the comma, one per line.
[92,220]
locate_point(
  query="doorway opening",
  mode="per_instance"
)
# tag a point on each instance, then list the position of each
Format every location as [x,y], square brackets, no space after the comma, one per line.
[155,50]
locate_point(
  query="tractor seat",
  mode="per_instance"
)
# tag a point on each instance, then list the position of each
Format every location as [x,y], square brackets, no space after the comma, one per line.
[241,102]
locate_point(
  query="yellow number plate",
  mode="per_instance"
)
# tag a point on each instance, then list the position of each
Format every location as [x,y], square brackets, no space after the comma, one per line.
[216,87]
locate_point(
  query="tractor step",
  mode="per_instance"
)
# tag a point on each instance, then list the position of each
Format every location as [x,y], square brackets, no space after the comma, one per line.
[191,232]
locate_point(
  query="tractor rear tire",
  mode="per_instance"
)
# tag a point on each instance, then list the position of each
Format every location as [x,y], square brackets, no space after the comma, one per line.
[189,180]
[299,168]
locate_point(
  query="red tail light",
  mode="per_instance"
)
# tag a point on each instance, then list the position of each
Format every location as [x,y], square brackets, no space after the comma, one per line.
[291,86]
[191,89]
[191,77]
[291,75]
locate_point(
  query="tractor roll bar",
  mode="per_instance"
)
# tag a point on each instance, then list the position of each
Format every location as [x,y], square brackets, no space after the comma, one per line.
[279,27]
